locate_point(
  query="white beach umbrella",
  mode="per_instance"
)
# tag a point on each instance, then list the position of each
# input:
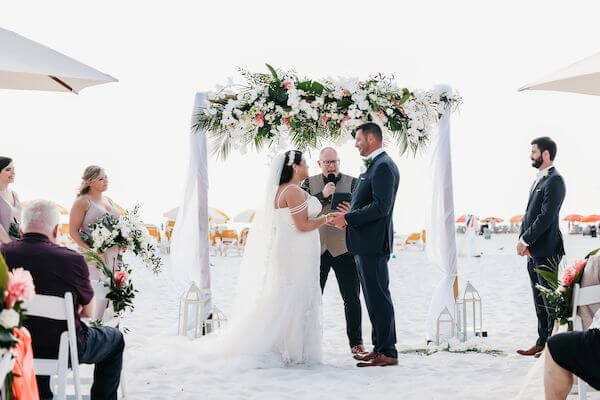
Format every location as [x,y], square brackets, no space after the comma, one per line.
[28,65]
[215,216]
[582,77]
[245,216]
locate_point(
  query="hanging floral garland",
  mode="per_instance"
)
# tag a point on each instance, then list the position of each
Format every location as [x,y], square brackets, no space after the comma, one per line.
[279,109]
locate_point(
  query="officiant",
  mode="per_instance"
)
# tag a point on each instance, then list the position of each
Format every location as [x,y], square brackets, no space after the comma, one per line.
[334,253]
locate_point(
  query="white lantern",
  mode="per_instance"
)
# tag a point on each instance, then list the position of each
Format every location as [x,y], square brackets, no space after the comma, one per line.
[216,321]
[445,318]
[191,310]
[469,313]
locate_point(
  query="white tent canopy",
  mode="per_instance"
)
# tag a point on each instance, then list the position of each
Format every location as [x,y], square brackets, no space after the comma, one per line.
[28,65]
[582,77]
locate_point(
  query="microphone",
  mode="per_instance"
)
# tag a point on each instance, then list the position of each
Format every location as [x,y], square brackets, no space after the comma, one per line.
[331,178]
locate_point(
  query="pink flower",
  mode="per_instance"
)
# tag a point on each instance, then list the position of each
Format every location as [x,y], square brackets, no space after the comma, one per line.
[346,118]
[286,121]
[344,93]
[260,119]
[19,288]
[580,265]
[569,276]
[287,84]
[121,278]
[325,118]
[381,114]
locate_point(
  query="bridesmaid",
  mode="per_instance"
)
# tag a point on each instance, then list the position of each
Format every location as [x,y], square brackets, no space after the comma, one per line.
[10,206]
[89,206]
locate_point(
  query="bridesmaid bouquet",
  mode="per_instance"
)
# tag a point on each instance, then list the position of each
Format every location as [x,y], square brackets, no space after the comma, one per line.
[126,232]
[121,291]
[14,231]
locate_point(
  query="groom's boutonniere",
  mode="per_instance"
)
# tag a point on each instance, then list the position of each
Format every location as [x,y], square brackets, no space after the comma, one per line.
[367,163]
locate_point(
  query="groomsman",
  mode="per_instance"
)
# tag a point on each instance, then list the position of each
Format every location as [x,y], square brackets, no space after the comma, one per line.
[540,238]
[334,253]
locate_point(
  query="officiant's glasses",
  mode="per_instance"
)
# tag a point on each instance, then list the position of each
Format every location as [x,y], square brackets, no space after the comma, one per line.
[330,162]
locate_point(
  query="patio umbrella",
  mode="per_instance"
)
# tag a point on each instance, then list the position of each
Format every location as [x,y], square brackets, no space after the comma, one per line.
[573,218]
[28,65]
[215,216]
[591,218]
[462,219]
[581,77]
[245,216]
[517,219]
[489,220]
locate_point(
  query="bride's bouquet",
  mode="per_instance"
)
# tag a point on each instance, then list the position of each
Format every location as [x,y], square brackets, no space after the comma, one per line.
[126,232]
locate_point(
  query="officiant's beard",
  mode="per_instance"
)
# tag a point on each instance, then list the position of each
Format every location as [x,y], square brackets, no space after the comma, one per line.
[537,162]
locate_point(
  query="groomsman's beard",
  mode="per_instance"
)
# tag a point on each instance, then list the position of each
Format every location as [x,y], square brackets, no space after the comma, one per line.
[537,163]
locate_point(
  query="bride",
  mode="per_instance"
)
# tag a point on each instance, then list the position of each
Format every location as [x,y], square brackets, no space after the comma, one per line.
[277,309]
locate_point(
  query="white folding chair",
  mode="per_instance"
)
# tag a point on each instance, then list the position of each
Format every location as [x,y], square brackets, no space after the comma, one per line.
[7,362]
[61,309]
[583,296]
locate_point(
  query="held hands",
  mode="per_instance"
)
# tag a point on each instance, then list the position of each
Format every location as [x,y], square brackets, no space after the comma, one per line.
[328,189]
[338,219]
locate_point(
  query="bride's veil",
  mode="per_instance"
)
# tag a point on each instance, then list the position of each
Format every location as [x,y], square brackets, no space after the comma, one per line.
[255,263]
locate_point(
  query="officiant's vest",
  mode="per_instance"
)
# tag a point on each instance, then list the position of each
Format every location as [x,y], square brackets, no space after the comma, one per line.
[332,238]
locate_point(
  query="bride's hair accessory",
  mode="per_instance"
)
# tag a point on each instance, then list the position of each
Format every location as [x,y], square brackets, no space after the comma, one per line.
[291,156]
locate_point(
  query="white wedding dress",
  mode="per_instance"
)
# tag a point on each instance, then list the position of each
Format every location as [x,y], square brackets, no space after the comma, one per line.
[276,319]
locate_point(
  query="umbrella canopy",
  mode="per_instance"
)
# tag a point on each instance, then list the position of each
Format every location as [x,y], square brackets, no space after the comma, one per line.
[573,218]
[495,220]
[215,216]
[462,219]
[591,218]
[245,216]
[28,65]
[517,219]
[61,209]
[581,77]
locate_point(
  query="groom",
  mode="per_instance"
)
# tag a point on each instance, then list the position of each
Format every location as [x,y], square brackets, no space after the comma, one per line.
[369,236]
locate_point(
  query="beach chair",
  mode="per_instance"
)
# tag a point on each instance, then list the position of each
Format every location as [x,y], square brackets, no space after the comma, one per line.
[583,296]
[229,242]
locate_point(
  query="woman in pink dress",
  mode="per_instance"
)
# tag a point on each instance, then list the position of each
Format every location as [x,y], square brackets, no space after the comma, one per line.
[10,206]
[90,206]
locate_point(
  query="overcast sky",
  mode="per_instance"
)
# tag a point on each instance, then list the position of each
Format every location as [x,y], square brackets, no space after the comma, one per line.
[163,52]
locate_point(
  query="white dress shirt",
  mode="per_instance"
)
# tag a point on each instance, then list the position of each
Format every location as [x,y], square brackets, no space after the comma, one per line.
[375,153]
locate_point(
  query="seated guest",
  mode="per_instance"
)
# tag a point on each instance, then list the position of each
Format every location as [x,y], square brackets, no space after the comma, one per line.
[567,354]
[55,271]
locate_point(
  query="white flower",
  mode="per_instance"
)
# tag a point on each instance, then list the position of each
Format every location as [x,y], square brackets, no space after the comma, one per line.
[9,318]
[363,105]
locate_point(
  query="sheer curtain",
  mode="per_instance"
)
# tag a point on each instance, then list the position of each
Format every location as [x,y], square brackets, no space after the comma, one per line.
[441,239]
[189,242]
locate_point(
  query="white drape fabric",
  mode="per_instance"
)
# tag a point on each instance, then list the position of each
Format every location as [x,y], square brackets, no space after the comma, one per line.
[189,242]
[441,239]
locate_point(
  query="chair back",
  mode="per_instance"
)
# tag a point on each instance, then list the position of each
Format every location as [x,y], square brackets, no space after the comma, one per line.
[584,296]
[61,309]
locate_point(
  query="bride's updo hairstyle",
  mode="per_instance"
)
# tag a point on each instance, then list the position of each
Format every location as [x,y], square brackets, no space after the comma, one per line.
[90,174]
[291,157]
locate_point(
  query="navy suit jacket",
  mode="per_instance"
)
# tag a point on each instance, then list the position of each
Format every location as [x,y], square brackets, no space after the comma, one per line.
[370,229]
[540,227]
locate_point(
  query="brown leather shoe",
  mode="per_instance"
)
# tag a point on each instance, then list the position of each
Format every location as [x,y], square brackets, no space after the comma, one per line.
[365,357]
[380,360]
[359,349]
[531,351]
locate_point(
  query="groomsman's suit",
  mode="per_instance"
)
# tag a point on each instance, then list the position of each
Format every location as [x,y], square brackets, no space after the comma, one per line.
[540,231]
[369,236]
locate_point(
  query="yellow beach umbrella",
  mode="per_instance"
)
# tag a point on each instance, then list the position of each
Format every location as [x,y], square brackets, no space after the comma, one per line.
[245,216]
